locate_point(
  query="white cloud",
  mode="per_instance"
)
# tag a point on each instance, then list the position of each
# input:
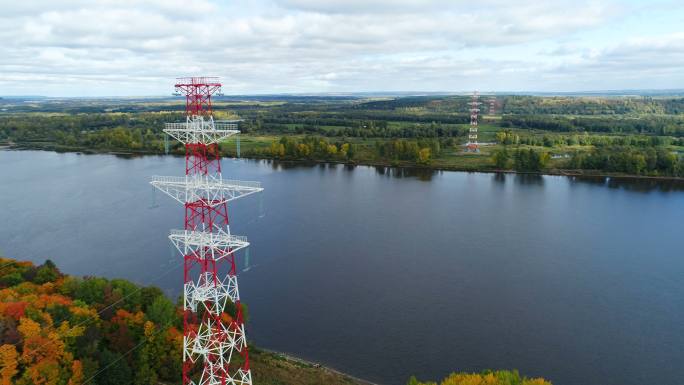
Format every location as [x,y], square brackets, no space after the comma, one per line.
[136,47]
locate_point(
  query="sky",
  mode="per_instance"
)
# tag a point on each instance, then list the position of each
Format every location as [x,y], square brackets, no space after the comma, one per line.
[138,47]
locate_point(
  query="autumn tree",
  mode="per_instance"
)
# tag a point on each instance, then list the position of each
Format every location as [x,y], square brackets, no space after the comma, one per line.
[8,364]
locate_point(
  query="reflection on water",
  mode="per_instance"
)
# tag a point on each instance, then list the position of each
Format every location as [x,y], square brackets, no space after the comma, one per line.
[499,177]
[519,179]
[643,185]
[421,174]
[280,165]
[529,179]
[427,175]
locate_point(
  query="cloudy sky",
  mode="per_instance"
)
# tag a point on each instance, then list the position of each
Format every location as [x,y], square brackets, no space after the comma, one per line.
[137,47]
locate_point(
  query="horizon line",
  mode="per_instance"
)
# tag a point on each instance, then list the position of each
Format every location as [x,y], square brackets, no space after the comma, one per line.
[599,92]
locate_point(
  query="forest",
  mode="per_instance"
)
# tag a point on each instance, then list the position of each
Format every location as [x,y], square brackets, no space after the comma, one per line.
[58,329]
[615,135]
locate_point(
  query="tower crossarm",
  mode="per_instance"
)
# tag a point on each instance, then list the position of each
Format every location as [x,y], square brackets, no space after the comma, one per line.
[193,242]
[197,81]
[197,129]
[207,190]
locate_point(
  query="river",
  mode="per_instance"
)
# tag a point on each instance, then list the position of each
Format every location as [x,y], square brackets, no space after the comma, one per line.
[385,273]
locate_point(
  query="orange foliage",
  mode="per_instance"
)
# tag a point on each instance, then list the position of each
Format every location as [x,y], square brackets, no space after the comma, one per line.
[45,372]
[131,319]
[15,310]
[76,373]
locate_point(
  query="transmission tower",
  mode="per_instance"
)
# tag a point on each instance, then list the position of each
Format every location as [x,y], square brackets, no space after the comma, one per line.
[492,105]
[472,144]
[214,343]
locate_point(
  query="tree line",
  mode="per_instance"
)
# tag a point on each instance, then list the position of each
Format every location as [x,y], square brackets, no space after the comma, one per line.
[568,105]
[657,125]
[637,161]
[523,159]
[316,148]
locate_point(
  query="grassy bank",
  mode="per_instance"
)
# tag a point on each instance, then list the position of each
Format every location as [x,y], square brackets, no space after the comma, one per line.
[272,368]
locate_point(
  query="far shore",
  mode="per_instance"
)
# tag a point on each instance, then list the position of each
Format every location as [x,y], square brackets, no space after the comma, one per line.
[406,165]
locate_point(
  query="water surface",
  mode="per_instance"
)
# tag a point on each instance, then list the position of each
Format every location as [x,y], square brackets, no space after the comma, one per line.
[385,273]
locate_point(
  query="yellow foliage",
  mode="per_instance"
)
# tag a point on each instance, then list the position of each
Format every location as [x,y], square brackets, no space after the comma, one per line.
[29,328]
[424,155]
[65,331]
[277,149]
[8,364]
[149,329]
[492,378]
[344,149]
[83,312]
[536,381]
[303,149]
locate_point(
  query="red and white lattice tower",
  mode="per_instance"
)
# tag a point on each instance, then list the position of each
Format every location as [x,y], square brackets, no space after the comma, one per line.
[472,144]
[214,343]
[491,108]
[492,105]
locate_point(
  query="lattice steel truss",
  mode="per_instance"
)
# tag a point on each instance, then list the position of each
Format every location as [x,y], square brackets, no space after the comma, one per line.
[492,105]
[214,343]
[472,144]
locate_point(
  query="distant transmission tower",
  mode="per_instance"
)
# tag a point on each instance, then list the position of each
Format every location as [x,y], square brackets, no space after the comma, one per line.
[492,105]
[472,144]
[214,342]
[491,108]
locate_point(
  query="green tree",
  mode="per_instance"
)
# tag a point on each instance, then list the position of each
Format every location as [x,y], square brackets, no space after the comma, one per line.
[47,272]
[501,159]
[162,311]
[117,371]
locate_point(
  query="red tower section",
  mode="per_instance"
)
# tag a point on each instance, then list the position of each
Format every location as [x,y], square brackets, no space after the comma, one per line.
[197,92]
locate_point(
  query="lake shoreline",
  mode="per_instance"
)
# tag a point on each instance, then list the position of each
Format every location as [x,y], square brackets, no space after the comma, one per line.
[551,172]
[300,361]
